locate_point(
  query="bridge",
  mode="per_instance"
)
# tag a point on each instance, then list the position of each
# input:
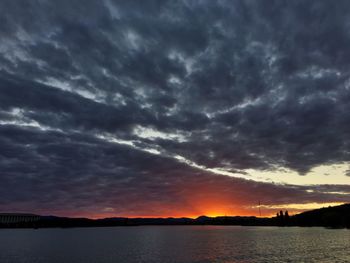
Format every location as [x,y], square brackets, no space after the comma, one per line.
[12,218]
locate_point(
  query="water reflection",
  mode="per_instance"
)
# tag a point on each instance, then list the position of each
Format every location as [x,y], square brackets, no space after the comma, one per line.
[161,244]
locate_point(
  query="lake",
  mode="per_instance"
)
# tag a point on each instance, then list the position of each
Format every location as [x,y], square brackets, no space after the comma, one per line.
[162,244]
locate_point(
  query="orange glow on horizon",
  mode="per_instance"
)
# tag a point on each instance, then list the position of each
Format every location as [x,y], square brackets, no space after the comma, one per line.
[212,197]
[215,210]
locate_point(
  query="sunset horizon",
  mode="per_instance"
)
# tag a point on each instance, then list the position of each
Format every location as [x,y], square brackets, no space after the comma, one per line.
[265,213]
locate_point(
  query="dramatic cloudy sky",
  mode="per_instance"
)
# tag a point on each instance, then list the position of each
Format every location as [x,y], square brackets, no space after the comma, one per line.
[173,108]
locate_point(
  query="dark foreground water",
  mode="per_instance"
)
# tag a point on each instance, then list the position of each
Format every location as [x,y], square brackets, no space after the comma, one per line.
[162,244]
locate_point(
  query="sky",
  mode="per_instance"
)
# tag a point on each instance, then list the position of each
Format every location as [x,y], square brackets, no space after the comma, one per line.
[173,108]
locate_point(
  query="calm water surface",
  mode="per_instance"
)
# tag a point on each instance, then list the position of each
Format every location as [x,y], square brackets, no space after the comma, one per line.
[162,244]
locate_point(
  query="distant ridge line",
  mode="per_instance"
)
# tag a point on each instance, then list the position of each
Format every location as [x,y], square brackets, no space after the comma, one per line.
[333,217]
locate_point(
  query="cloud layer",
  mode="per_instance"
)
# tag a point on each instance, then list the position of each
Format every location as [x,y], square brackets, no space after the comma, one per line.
[122,107]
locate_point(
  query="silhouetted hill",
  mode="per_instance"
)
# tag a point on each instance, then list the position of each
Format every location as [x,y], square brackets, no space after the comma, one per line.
[333,217]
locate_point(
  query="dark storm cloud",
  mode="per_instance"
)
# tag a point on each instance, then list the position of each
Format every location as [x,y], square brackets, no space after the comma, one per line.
[50,169]
[245,84]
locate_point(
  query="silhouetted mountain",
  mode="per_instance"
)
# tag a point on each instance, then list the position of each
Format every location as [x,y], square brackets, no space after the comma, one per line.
[333,217]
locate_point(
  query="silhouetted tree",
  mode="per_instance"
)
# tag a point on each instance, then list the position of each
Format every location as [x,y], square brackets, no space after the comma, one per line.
[282,222]
[286,218]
